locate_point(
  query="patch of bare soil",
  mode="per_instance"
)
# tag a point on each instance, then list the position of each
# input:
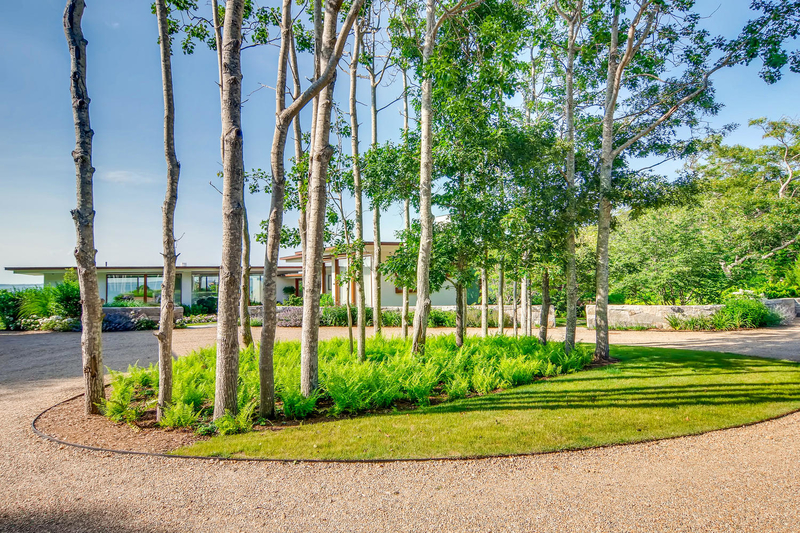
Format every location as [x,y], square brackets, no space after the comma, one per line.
[67,422]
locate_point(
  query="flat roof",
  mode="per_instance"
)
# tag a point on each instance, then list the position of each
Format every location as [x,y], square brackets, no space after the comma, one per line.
[38,270]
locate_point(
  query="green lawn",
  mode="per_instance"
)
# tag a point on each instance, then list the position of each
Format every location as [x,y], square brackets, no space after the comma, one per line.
[651,393]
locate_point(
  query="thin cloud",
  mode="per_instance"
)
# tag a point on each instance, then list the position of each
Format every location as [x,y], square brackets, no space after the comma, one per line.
[125,177]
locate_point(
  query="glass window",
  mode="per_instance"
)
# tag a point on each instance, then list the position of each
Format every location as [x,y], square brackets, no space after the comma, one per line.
[256,286]
[204,286]
[132,288]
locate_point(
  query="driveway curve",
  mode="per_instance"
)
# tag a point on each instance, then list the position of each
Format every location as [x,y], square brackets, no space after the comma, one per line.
[743,479]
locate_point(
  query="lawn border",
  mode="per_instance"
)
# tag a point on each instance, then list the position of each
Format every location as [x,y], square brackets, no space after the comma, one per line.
[50,438]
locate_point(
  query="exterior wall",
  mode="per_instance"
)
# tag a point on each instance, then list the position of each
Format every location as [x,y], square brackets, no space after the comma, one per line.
[186,288]
[655,316]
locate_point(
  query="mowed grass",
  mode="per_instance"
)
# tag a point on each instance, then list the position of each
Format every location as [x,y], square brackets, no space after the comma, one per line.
[652,393]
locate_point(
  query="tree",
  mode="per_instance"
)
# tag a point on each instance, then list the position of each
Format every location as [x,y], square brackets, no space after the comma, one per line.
[361,316]
[83,214]
[227,372]
[166,319]
[285,115]
[659,38]
[331,48]
[434,18]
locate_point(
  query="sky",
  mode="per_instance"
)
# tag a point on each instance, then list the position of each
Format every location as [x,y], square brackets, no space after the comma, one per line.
[37,136]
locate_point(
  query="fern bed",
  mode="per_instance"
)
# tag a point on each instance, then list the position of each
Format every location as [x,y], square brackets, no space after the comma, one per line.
[390,379]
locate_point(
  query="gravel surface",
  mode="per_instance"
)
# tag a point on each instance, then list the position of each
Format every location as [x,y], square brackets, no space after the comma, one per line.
[743,479]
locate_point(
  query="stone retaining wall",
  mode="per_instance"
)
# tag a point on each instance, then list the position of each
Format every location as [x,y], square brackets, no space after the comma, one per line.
[150,312]
[255,311]
[655,316]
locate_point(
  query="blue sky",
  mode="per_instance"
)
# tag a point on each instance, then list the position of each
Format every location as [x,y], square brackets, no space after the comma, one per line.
[37,174]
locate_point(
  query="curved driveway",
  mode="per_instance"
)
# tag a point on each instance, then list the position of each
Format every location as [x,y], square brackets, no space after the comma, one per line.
[744,479]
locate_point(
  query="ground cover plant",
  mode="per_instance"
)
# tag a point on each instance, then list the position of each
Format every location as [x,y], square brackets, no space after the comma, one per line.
[390,377]
[651,393]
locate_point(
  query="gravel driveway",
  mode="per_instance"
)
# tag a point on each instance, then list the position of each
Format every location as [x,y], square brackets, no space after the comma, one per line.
[744,479]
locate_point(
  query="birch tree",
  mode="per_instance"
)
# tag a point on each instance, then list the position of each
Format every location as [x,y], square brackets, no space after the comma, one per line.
[83,214]
[166,319]
[658,38]
[435,15]
[227,371]
[358,194]
[330,53]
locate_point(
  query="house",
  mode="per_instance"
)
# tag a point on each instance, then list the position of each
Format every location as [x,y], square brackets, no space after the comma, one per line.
[193,283]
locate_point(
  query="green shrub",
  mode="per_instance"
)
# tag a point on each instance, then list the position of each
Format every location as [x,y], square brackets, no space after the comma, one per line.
[441,319]
[485,380]
[297,406]
[179,415]
[457,386]
[293,300]
[9,302]
[326,300]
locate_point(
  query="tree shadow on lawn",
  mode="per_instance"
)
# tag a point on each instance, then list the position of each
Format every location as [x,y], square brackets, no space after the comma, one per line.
[689,378]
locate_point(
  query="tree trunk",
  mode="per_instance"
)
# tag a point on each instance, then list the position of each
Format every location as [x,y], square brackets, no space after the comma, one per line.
[407,227]
[484,301]
[545,313]
[361,303]
[574,22]
[377,322]
[83,214]
[501,310]
[460,318]
[244,299]
[376,273]
[227,373]
[406,204]
[524,306]
[514,315]
[425,177]
[317,197]
[166,319]
[602,351]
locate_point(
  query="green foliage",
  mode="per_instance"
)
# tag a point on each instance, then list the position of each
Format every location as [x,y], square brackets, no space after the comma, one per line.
[9,302]
[326,300]
[293,300]
[179,415]
[389,374]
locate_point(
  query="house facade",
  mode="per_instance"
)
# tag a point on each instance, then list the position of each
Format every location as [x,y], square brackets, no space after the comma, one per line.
[194,283]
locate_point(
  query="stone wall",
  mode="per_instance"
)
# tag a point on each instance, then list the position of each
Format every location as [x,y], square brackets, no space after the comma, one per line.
[655,316]
[255,311]
[150,312]
[786,307]
[651,316]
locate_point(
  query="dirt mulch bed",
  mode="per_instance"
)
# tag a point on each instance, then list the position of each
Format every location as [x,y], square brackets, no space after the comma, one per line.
[67,422]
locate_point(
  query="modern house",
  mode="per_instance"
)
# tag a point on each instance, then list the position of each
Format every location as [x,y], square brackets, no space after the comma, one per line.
[143,283]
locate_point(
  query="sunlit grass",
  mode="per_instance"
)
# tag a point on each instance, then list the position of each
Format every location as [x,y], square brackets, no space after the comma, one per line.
[651,393]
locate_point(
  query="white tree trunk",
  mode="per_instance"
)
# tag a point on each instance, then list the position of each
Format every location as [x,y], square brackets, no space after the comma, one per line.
[244,299]
[524,304]
[514,314]
[425,178]
[544,315]
[83,214]
[227,372]
[406,206]
[321,154]
[361,303]
[460,315]
[166,319]
[484,301]
[501,309]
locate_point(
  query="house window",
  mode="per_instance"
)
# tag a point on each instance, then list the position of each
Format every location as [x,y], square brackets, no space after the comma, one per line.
[204,286]
[141,288]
